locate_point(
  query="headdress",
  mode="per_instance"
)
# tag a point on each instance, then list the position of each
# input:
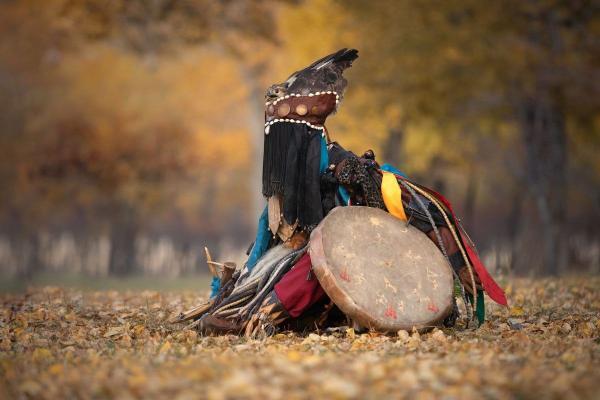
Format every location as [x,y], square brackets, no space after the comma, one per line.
[295,114]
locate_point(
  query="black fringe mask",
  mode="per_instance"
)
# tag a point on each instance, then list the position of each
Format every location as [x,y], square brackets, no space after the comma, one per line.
[292,156]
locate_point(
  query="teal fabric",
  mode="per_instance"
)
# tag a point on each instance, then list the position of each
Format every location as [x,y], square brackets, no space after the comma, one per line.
[480,307]
[480,311]
[324,155]
[392,169]
[215,284]
[261,242]
[344,195]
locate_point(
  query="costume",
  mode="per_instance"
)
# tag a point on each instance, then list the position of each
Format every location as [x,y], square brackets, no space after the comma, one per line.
[305,176]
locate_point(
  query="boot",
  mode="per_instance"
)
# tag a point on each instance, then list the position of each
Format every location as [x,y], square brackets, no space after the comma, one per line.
[210,325]
[267,318]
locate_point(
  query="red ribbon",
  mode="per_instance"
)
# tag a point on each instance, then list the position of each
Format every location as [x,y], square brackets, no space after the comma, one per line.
[489,284]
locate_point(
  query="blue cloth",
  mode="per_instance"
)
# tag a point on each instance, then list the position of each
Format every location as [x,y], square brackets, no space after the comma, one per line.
[261,242]
[344,195]
[392,169]
[324,155]
[215,284]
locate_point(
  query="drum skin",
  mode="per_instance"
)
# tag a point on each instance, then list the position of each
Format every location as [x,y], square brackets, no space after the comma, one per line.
[384,274]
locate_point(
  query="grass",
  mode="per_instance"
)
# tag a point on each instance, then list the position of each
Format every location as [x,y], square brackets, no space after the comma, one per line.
[90,283]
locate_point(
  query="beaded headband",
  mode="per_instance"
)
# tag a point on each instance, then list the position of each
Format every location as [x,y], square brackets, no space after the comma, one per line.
[312,109]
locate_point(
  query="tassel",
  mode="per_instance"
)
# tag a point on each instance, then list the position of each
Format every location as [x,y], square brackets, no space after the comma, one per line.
[291,164]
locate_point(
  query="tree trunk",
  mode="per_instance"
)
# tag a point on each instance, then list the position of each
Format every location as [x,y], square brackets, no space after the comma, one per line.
[514,222]
[392,148]
[470,200]
[256,119]
[124,228]
[28,244]
[544,137]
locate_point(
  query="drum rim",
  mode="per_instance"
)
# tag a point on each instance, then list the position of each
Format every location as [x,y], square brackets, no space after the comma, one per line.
[344,301]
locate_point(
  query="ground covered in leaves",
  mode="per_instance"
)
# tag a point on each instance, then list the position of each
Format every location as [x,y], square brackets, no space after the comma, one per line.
[57,343]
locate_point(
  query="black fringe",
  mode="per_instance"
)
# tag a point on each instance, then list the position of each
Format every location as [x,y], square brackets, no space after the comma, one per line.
[292,155]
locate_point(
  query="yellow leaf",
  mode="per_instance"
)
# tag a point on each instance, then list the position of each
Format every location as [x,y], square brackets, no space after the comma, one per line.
[403,335]
[517,311]
[56,369]
[568,357]
[357,345]
[114,331]
[30,387]
[138,330]
[165,347]
[137,380]
[41,354]
[294,356]
[350,333]
[439,336]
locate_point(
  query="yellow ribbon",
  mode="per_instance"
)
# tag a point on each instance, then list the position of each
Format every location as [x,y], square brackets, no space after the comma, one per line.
[392,195]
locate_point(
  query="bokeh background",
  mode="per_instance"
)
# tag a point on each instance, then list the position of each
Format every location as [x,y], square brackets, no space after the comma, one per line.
[131,130]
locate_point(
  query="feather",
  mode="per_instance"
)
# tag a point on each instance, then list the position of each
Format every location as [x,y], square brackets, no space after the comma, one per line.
[324,74]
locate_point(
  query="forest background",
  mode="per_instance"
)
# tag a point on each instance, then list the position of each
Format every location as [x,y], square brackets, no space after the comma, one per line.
[131,130]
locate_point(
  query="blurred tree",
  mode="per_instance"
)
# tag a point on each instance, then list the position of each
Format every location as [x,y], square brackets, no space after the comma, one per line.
[123,117]
[106,127]
[464,64]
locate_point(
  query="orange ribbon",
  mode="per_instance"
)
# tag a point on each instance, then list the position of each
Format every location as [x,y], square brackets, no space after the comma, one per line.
[392,195]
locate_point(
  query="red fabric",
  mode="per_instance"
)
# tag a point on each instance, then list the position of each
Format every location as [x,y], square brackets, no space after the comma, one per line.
[299,289]
[489,284]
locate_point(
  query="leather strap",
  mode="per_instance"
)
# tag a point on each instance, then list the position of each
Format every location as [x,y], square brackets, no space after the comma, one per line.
[312,109]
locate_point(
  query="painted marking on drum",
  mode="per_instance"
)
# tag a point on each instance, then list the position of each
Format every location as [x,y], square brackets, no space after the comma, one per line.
[412,256]
[381,299]
[390,312]
[388,284]
[432,307]
[401,306]
[344,275]
[375,221]
[406,275]
[360,278]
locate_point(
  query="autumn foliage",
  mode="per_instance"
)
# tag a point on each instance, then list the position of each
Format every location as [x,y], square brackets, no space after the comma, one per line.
[129,122]
[57,344]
